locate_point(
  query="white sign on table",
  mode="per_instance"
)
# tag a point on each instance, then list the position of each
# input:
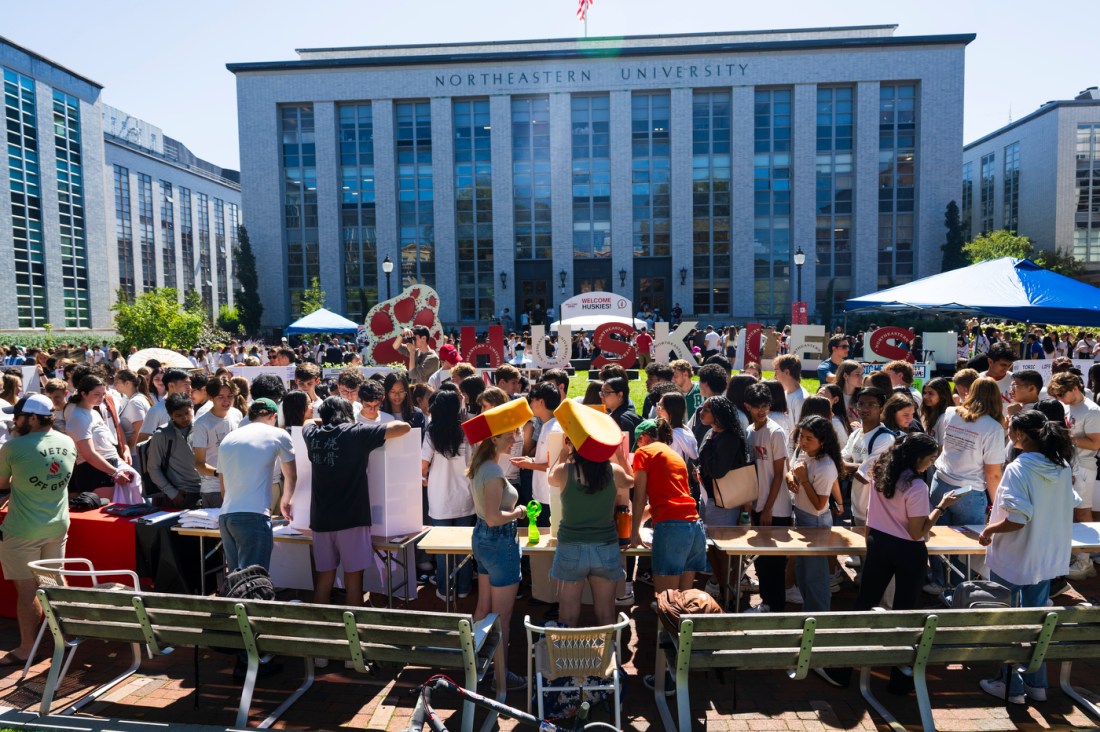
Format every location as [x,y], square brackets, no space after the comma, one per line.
[1043,366]
[286,373]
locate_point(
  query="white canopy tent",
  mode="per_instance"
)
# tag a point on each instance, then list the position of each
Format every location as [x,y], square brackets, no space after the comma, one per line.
[589,322]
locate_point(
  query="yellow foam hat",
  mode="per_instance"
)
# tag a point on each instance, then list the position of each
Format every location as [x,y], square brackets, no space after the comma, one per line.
[496,421]
[594,435]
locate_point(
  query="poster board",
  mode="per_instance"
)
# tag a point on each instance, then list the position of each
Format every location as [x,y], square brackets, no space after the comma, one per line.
[286,373]
[1043,366]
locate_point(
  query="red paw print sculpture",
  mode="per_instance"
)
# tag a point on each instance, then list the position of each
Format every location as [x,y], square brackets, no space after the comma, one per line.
[417,305]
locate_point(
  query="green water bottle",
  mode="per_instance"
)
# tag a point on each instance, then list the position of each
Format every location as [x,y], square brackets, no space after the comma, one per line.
[534,508]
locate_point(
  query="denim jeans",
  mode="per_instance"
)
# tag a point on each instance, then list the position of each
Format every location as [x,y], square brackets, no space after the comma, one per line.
[970,509]
[463,578]
[1025,596]
[812,573]
[246,539]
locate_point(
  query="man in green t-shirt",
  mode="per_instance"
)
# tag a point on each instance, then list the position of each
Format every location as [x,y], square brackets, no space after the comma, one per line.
[35,466]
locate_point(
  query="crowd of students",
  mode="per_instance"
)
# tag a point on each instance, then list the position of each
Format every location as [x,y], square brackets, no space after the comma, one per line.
[868,451]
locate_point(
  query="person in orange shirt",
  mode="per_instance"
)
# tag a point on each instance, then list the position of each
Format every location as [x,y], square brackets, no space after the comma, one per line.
[661,479]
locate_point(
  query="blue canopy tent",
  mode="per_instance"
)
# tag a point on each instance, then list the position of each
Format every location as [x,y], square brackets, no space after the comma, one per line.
[1009,288]
[322,321]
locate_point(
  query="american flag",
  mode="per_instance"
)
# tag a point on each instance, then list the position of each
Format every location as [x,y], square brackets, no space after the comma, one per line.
[582,8]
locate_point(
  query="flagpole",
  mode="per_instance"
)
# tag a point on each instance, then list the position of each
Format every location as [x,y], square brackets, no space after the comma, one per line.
[586,25]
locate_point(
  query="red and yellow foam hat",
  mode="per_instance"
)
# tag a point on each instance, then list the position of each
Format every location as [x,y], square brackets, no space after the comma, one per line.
[594,435]
[498,420]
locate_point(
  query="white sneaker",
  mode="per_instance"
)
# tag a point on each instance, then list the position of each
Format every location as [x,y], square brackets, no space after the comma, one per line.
[713,589]
[749,584]
[996,687]
[933,588]
[1035,693]
[1080,569]
[320,663]
[794,595]
[761,608]
[853,562]
[625,600]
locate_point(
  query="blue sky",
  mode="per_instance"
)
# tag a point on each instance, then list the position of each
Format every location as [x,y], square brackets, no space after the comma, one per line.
[165,62]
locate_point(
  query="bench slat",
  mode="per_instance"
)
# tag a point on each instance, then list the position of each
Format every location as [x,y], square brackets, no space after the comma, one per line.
[411,656]
[398,636]
[889,619]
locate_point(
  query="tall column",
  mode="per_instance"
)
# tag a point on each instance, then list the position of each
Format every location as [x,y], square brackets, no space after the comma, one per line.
[329,244]
[622,214]
[741,201]
[939,162]
[561,193]
[504,248]
[865,213]
[443,175]
[385,194]
[681,197]
[803,200]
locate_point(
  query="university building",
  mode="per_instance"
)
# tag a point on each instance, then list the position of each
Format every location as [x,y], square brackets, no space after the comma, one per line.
[681,169]
[92,200]
[1040,177]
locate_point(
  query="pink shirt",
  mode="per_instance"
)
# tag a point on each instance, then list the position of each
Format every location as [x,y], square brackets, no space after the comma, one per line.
[891,515]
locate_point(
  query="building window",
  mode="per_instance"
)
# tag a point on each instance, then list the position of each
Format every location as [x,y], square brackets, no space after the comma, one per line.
[710,194]
[168,233]
[415,196]
[187,240]
[591,118]
[220,253]
[531,177]
[234,242]
[145,228]
[772,203]
[650,166]
[70,209]
[833,198]
[897,182]
[966,211]
[988,180]
[357,208]
[473,173]
[123,232]
[26,200]
[299,158]
[1086,221]
[1012,187]
[206,279]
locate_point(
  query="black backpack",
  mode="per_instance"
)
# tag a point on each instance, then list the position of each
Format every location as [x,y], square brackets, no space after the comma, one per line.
[249,583]
[143,461]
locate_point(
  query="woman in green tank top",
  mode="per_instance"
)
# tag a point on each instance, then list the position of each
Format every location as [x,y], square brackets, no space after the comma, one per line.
[588,542]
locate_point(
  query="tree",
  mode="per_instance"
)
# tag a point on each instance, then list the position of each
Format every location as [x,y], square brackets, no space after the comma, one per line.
[229,319]
[313,297]
[156,318]
[192,303]
[1002,243]
[249,305]
[953,255]
[997,244]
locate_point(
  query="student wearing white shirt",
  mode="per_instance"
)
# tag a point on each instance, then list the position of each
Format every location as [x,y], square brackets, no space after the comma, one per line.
[1033,506]
[788,372]
[773,501]
[369,404]
[1083,416]
[866,442]
[973,454]
[544,398]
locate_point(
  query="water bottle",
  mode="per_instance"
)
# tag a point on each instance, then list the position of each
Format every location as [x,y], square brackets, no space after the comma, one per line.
[623,524]
[746,519]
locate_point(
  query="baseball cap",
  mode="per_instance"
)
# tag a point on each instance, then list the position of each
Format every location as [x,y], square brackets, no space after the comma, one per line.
[265,404]
[644,426]
[31,404]
[449,354]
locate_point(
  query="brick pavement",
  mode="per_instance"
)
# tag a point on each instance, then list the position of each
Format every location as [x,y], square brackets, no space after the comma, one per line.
[164,691]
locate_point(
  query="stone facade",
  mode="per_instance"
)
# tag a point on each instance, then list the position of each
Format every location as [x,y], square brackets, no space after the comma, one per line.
[739,64]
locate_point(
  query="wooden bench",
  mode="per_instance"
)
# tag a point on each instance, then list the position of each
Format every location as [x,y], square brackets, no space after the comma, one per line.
[260,628]
[797,643]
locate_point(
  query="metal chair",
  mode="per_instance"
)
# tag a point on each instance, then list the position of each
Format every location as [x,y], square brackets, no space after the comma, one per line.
[574,652]
[53,572]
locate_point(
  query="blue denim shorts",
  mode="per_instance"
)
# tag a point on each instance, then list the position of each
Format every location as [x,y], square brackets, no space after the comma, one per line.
[574,562]
[678,547]
[497,553]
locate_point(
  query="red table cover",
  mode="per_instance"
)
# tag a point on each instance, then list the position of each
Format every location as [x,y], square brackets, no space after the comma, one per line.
[108,541]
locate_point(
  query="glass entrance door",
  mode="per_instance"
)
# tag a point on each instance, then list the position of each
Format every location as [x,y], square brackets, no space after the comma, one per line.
[652,291]
[532,293]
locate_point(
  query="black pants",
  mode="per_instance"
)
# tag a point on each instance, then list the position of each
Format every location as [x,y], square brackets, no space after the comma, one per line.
[771,571]
[888,557]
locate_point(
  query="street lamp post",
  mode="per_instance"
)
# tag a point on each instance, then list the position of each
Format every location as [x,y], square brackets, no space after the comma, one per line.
[799,260]
[387,267]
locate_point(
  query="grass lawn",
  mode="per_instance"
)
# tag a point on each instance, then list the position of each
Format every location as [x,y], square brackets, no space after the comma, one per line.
[579,383]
